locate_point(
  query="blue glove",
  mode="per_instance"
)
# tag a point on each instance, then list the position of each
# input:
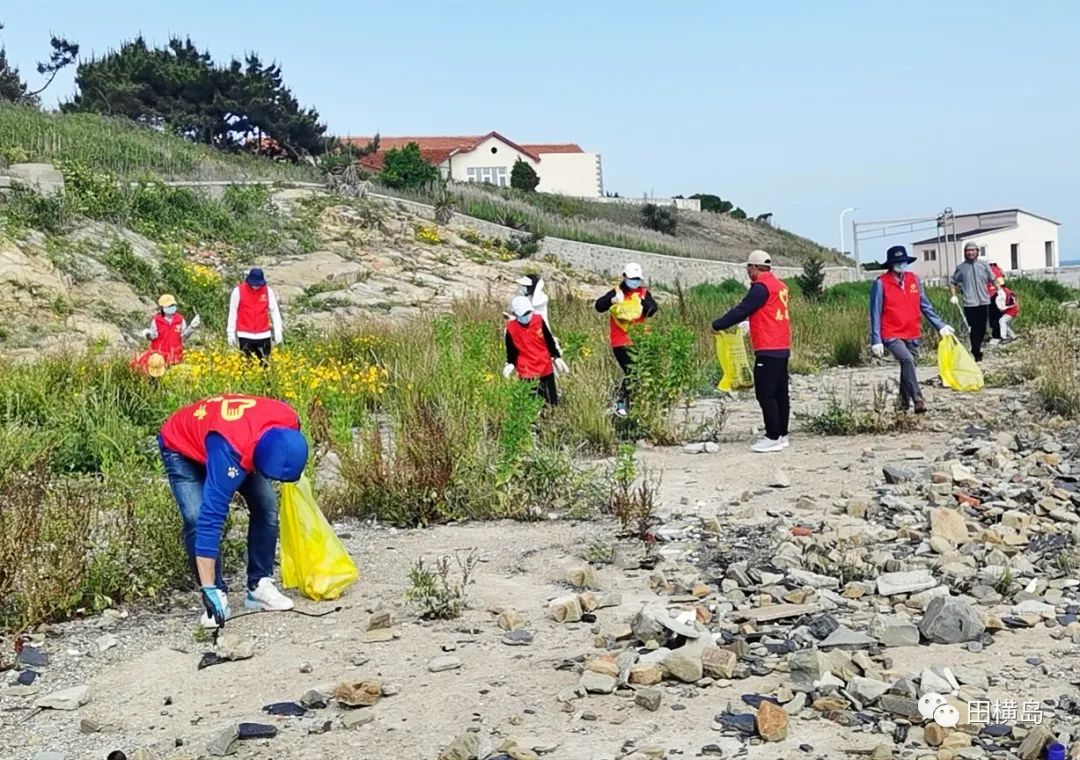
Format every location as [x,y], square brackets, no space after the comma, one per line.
[214,602]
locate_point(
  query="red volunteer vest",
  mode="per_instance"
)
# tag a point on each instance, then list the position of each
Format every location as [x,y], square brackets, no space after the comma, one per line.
[1012,304]
[770,326]
[991,287]
[240,420]
[619,337]
[901,307]
[253,312]
[533,359]
[169,341]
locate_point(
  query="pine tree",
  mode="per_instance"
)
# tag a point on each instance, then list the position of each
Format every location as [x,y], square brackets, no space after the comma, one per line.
[812,279]
[524,177]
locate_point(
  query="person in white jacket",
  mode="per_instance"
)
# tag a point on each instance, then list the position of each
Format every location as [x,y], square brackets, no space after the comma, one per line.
[1009,307]
[254,317]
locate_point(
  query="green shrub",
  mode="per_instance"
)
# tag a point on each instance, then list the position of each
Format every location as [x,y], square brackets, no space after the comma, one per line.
[523,177]
[405,168]
[812,280]
[663,219]
[665,371]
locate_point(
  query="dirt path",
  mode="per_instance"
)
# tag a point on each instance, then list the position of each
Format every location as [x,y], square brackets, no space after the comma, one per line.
[148,690]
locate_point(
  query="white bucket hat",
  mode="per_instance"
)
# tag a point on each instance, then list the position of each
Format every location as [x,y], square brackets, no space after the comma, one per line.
[632,271]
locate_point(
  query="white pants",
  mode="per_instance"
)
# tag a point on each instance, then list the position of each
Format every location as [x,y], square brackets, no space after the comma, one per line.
[1006,333]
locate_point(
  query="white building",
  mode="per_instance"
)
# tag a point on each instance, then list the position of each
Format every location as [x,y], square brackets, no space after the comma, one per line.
[1013,239]
[563,168]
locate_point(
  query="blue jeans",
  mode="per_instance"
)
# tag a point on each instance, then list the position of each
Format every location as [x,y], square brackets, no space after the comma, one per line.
[186,482]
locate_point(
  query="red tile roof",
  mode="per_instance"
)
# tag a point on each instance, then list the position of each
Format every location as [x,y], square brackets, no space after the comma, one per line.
[435,150]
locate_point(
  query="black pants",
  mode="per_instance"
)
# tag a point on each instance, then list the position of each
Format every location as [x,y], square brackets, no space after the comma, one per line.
[258,348]
[976,317]
[626,362]
[545,389]
[995,321]
[771,389]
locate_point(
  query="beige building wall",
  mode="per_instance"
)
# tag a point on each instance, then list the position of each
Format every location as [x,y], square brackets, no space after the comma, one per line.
[576,174]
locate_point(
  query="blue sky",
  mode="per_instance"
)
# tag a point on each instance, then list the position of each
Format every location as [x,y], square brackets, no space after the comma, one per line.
[797,108]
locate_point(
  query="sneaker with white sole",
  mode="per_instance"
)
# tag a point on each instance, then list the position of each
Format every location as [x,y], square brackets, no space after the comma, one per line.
[208,623]
[265,596]
[768,445]
[784,441]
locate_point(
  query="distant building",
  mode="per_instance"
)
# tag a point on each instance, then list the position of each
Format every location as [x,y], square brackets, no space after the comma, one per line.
[1013,239]
[563,168]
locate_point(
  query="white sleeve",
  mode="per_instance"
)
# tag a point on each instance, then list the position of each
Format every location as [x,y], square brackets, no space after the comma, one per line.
[1000,300]
[234,304]
[275,314]
[151,332]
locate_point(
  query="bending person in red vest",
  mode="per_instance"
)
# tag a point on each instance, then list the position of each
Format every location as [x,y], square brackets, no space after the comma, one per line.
[630,295]
[897,306]
[765,307]
[212,450]
[254,318]
[531,350]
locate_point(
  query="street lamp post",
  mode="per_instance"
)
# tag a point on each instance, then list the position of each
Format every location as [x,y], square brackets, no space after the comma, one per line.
[845,211]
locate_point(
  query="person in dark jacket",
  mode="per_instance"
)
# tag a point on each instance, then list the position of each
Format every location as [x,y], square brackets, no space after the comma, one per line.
[629,303]
[764,310]
[531,350]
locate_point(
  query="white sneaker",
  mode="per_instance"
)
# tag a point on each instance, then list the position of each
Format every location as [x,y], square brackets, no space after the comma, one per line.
[784,442]
[267,597]
[208,623]
[768,445]
[994,341]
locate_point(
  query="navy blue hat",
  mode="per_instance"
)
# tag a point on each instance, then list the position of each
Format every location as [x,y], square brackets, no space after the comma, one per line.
[255,278]
[897,255]
[281,454]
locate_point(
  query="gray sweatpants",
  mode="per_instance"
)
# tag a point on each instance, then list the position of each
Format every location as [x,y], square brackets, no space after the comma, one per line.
[907,353]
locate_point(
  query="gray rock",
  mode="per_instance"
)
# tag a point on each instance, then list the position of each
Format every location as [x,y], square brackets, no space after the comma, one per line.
[848,639]
[41,178]
[930,681]
[867,690]
[354,718]
[107,641]
[649,698]
[796,705]
[807,666]
[314,699]
[232,646]
[894,631]
[951,620]
[814,580]
[779,479]
[971,676]
[447,662]
[518,638]
[66,699]
[906,707]
[894,474]
[908,582]
[685,663]
[597,683]
[224,743]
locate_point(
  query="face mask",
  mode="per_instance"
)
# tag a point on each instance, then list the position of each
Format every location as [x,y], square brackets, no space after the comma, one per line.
[899,268]
[633,282]
[169,311]
[525,318]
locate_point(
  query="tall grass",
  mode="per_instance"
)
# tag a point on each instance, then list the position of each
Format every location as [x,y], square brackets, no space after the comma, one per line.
[129,150]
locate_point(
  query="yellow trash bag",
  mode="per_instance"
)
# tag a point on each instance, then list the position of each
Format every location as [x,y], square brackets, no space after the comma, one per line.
[957,367]
[312,557]
[627,311]
[734,362]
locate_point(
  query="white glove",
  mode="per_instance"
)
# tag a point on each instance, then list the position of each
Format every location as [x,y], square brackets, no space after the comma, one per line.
[618,296]
[508,369]
[195,322]
[954,301]
[946,330]
[233,341]
[878,350]
[278,340]
[146,334]
[562,367]
[745,326]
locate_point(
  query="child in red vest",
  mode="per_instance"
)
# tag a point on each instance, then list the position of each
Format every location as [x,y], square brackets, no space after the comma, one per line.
[531,350]
[167,332]
[212,450]
[254,318]
[1008,306]
[630,292]
[993,288]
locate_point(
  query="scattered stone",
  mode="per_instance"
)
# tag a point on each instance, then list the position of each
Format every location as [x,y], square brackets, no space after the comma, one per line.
[306,667]
[1033,744]
[777,612]
[685,663]
[846,638]
[951,620]
[807,666]
[948,524]
[518,638]
[772,722]
[66,699]
[797,704]
[583,577]
[867,690]
[717,662]
[894,631]
[894,474]
[377,636]
[232,646]
[907,582]
[444,663]
[224,743]
[314,700]
[355,718]
[464,747]
[597,683]
[646,675]
[813,580]
[779,479]
[256,731]
[106,641]
[511,620]
[380,619]
[359,694]
[89,726]
[566,609]
[649,698]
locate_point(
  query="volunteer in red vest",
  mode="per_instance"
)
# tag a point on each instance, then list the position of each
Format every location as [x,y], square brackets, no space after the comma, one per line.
[219,447]
[993,288]
[630,296]
[897,306]
[167,332]
[531,350]
[1008,306]
[764,311]
[254,318]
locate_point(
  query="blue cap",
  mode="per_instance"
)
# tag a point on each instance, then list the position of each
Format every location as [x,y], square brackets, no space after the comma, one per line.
[281,454]
[255,278]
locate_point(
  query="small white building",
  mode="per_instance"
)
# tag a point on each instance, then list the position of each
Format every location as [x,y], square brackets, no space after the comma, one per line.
[563,168]
[1014,239]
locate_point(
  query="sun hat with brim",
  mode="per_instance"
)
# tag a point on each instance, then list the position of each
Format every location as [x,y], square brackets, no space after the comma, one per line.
[759,258]
[166,300]
[521,306]
[256,278]
[155,365]
[897,255]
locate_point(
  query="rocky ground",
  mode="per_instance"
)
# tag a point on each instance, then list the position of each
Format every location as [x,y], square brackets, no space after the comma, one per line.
[800,604]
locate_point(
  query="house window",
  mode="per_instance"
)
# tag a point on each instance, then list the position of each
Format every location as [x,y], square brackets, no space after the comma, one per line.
[1014,255]
[929,255]
[496,175]
[982,252]
[1049,246]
